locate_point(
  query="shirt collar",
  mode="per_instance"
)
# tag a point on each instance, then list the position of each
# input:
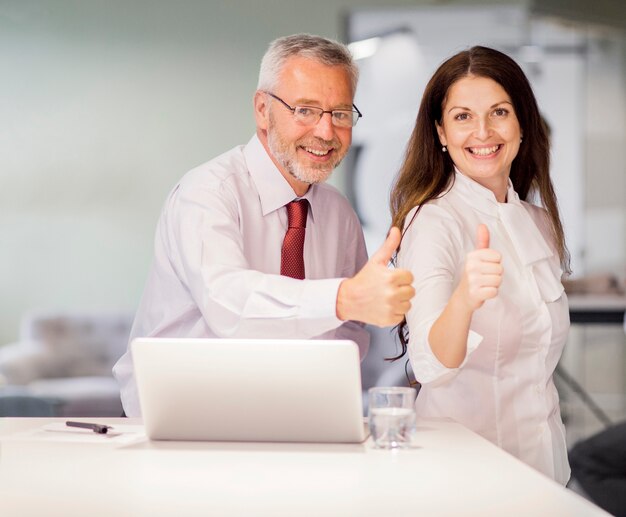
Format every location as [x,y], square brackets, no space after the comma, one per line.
[274,190]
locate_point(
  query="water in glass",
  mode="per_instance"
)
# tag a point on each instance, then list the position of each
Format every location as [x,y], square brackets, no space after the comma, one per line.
[392,427]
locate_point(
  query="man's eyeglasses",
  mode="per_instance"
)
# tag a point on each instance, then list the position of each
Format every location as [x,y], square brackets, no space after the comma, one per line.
[310,115]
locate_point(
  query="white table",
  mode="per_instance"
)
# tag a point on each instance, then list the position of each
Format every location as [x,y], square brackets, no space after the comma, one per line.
[452,472]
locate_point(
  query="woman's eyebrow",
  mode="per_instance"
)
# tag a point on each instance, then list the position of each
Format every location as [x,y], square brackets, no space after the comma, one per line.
[490,107]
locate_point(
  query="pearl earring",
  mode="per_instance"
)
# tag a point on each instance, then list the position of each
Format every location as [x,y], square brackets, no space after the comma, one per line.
[444,149]
[521,139]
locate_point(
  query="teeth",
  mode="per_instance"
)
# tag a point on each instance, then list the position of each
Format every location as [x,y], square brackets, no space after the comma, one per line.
[484,151]
[317,153]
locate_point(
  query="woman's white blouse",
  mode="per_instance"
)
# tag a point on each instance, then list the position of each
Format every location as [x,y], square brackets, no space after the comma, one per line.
[503,390]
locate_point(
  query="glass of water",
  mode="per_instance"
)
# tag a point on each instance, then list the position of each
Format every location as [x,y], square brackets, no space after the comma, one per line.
[392,416]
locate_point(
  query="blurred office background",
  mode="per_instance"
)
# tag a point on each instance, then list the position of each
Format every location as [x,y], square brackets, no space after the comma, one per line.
[104,105]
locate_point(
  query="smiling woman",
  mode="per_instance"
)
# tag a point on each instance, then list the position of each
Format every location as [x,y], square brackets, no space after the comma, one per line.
[489,320]
[481,132]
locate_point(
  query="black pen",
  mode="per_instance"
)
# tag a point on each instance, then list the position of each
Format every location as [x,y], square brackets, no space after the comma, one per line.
[96,428]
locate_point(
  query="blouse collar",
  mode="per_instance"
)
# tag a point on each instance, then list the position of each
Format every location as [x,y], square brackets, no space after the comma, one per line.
[483,199]
[529,244]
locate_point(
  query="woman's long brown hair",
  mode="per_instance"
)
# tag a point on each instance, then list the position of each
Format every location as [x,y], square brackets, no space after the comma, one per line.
[427,171]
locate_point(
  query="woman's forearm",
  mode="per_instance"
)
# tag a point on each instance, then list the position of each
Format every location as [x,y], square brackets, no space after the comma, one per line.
[448,335]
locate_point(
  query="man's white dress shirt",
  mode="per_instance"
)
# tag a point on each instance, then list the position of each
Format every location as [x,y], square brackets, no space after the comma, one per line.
[216,269]
[503,390]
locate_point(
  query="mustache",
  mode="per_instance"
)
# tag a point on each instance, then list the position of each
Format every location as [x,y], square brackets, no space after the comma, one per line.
[320,142]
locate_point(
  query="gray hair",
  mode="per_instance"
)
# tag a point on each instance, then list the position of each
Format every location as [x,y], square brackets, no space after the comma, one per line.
[325,51]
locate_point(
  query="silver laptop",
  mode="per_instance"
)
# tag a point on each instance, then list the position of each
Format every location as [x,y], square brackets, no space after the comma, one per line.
[249,389]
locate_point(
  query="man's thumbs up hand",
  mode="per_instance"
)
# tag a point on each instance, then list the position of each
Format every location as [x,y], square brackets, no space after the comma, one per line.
[377,294]
[385,252]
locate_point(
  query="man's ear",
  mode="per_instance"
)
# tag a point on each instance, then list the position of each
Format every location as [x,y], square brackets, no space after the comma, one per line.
[261,110]
[441,133]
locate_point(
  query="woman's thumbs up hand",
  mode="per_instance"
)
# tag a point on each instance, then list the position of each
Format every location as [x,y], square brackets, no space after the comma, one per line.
[483,271]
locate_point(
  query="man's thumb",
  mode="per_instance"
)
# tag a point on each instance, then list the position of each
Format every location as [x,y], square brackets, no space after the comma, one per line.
[482,237]
[386,251]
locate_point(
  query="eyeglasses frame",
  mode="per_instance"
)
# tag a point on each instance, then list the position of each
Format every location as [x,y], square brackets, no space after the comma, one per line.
[293,109]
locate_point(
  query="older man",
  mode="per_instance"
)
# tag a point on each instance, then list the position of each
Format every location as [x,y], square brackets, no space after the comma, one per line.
[253,243]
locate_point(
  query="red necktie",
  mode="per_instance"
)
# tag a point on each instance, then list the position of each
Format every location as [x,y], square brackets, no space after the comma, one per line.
[291,257]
